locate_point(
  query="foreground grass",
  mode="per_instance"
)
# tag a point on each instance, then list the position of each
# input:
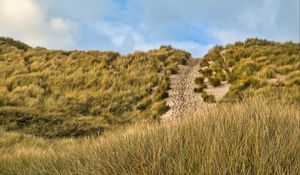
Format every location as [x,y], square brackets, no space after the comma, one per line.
[253,137]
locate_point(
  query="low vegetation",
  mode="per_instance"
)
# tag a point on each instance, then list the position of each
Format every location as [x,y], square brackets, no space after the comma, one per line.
[56,108]
[55,93]
[255,66]
[250,137]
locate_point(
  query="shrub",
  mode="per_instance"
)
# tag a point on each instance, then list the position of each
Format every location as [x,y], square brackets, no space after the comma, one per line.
[177,59]
[247,68]
[249,82]
[207,72]
[160,94]
[172,68]
[230,63]
[144,104]
[221,75]
[204,63]
[268,72]
[214,81]
[208,98]
[158,109]
[199,80]
[200,88]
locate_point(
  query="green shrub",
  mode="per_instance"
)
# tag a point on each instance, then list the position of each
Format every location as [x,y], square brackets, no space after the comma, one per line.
[268,72]
[247,68]
[208,98]
[230,63]
[158,109]
[172,68]
[249,82]
[160,94]
[222,76]
[177,58]
[200,88]
[199,80]
[214,81]
[204,63]
[207,72]
[144,104]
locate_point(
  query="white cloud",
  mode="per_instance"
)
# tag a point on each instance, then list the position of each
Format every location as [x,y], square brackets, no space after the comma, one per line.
[221,20]
[226,36]
[116,33]
[128,39]
[196,49]
[59,24]
[126,25]
[24,20]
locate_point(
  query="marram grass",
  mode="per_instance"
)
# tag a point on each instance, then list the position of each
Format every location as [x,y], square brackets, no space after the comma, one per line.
[255,136]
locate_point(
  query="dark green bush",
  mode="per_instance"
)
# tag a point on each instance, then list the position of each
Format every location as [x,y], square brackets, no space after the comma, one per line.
[222,76]
[230,63]
[214,81]
[144,104]
[199,80]
[208,98]
[200,88]
[207,72]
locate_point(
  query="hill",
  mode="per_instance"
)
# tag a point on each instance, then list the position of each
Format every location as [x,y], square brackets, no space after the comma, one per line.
[55,93]
[252,67]
[92,112]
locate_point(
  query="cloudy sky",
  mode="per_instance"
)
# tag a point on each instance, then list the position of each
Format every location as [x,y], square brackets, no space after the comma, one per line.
[127,25]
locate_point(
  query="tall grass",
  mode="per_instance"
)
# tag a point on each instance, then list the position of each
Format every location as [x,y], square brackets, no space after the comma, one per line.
[252,137]
[55,93]
[254,62]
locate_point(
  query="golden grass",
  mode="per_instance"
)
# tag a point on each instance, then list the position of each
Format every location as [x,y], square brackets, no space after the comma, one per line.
[265,63]
[84,92]
[253,137]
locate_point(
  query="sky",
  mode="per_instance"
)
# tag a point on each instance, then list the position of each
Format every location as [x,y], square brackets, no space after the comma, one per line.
[129,25]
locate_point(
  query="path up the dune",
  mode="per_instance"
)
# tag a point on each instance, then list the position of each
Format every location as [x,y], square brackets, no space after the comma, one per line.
[182,98]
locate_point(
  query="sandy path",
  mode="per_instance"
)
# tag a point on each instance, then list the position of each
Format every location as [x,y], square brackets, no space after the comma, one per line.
[182,98]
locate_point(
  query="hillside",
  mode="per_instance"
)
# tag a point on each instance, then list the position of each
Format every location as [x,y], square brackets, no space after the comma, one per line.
[55,93]
[251,68]
[92,112]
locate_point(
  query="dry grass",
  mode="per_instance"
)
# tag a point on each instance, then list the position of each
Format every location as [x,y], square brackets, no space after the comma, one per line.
[253,137]
[259,64]
[55,93]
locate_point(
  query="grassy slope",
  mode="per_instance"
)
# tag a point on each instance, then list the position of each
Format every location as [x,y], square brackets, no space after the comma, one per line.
[252,137]
[255,67]
[56,93]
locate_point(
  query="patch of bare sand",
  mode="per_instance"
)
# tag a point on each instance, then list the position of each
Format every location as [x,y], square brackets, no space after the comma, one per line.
[220,91]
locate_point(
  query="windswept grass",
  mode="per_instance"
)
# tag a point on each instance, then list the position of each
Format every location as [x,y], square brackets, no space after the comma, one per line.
[254,65]
[55,93]
[252,137]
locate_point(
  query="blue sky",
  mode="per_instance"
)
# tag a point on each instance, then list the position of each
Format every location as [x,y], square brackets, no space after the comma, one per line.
[125,26]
